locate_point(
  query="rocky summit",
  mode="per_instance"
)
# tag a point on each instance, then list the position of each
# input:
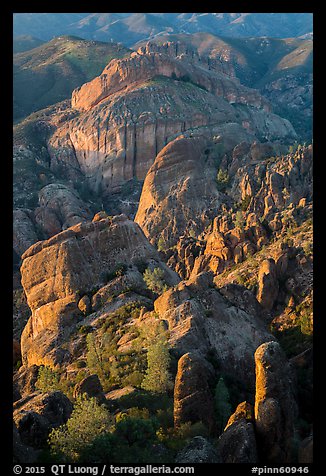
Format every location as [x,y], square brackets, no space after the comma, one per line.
[162,243]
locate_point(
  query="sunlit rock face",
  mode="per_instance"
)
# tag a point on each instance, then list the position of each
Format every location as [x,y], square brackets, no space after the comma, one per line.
[57,273]
[140,103]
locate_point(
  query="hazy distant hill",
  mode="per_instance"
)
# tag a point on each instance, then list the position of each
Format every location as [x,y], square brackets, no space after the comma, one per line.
[25,43]
[129,28]
[51,71]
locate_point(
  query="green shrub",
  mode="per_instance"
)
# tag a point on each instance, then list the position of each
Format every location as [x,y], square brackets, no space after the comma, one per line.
[222,404]
[176,438]
[154,280]
[244,204]
[158,378]
[103,356]
[239,221]
[118,271]
[48,380]
[87,421]
[222,180]
[162,244]
[131,442]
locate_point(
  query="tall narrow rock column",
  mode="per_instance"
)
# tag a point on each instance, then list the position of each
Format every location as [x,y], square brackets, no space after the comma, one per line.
[275,407]
[193,401]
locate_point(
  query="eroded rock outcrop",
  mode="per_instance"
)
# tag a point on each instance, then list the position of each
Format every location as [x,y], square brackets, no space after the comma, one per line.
[200,318]
[172,195]
[268,285]
[150,61]
[275,406]
[58,272]
[138,104]
[60,207]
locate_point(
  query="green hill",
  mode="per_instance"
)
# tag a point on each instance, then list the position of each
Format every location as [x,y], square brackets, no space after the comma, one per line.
[50,72]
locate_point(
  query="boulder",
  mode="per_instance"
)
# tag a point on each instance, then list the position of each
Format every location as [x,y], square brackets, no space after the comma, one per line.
[243,411]
[23,453]
[85,305]
[199,450]
[36,415]
[237,444]
[60,208]
[92,386]
[24,381]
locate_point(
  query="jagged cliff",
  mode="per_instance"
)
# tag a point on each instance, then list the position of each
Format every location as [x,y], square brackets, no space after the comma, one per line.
[138,104]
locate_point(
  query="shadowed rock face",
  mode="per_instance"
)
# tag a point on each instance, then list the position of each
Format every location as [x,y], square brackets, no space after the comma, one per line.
[237,444]
[38,413]
[90,385]
[56,273]
[199,450]
[193,400]
[60,207]
[275,407]
[24,232]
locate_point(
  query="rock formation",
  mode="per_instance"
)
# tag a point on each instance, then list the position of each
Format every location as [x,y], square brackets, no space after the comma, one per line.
[56,273]
[60,207]
[275,407]
[218,202]
[200,318]
[193,401]
[92,387]
[24,233]
[138,104]
[267,284]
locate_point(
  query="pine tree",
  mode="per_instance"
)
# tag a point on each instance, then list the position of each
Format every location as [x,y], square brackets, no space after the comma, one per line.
[94,357]
[154,280]
[222,404]
[158,378]
[87,421]
[48,380]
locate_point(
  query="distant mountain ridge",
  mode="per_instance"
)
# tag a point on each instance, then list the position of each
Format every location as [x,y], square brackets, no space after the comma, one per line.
[129,28]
